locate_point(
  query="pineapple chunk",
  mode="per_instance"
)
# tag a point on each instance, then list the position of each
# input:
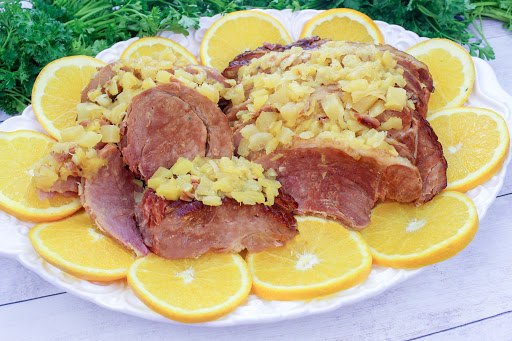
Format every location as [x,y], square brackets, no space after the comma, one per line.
[110,133]
[395,99]
[181,167]
[89,139]
[72,134]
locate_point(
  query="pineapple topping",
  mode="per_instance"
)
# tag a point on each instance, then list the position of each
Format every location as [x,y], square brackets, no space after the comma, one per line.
[99,120]
[329,92]
[211,180]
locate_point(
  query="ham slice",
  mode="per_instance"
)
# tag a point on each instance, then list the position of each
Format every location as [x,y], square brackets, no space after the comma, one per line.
[328,179]
[169,121]
[108,197]
[182,229]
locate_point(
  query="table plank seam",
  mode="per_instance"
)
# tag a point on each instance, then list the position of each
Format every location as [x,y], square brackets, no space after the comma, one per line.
[32,299]
[503,195]
[462,325]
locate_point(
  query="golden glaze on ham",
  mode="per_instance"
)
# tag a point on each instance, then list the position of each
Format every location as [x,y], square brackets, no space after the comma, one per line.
[169,121]
[181,229]
[108,198]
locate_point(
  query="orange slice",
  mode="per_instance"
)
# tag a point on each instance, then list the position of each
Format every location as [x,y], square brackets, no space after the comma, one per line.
[322,259]
[475,144]
[405,236]
[150,45]
[452,70]
[19,151]
[237,32]
[57,91]
[76,246]
[191,290]
[343,24]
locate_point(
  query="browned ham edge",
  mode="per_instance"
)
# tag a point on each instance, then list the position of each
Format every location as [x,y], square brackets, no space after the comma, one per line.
[169,121]
[108,198]
[181,229]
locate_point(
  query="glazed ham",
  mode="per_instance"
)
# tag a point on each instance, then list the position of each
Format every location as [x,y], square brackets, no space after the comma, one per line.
[169,121]
[182,229]
[108,198]
[328,179]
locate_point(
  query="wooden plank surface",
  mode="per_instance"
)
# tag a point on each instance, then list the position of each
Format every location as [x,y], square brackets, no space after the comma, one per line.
[468,297]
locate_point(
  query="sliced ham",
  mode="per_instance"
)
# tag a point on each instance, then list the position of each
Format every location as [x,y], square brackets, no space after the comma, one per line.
[108,197]
[182,229]
[67,188]
[334,181]
[169,121]
[327,179]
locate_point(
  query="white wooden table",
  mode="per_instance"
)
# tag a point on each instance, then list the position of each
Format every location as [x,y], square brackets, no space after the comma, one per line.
[468,297]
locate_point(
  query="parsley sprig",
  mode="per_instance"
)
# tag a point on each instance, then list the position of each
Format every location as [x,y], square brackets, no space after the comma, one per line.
[31,38]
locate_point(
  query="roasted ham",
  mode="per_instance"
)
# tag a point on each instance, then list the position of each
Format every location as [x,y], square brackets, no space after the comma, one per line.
[169,121]
[108,198]
[327,178]
[182,229]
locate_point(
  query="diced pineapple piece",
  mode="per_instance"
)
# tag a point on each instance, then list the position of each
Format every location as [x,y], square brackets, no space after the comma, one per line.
[212,200]
[110,133]
[163,76]
[290,113]
[377,108]
[259,98]
[45,177]
[209,91]
[89,139]
[391,123]
[265,120]
[92,94]
[363,105]
[395,99]
[249,197]
[387,60]
[258,141]
[332,106]
[71,134]
[148,84]
[356,85]
[129,81]
[103,100]
[181,167]
[249,130]
[169,190]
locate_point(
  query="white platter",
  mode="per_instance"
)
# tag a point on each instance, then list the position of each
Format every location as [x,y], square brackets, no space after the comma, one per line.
[117,296]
